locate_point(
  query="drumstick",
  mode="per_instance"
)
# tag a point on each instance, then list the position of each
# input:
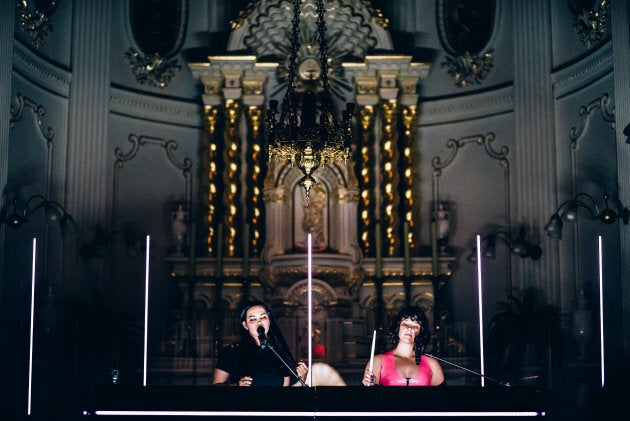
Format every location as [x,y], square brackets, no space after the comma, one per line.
[372,354]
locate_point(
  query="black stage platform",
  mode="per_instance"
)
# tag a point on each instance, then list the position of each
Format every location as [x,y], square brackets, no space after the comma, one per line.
[314,403]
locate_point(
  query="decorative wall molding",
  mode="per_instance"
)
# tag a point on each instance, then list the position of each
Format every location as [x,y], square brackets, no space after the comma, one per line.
[138,141]
[40,72]
[35,19]
[38,110]
[478,105]
[584,72]
[48,133]
[153,108]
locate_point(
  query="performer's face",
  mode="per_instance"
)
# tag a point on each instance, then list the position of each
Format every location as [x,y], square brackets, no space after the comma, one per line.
[408,330]
[256,316]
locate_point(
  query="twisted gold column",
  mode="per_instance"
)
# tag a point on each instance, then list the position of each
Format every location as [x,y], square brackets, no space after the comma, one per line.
[407,207]
[231,176]
[255,180]
[366,180]
[210,114]
[390,178]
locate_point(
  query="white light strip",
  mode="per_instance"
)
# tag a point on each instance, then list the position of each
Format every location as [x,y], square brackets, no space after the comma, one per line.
[310,309]
[146,310]
[601,307]
[30,351]
[479,289]
[323,414]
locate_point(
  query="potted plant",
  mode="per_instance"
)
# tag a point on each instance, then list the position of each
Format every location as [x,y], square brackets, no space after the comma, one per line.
[525,338]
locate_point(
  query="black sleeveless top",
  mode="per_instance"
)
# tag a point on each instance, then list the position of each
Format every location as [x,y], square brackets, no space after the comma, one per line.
[261,364]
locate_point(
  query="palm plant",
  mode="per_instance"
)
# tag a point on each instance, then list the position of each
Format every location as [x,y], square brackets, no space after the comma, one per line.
[525,334]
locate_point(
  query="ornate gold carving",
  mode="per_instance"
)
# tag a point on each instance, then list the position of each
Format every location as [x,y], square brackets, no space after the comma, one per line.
[408,116]
[154,69]
[232,159]
[407,84]
[212,198]
[469,69]
[35,19]
[366,180]
[590,24]
[212,84]
[379,18]
[243,15]
[366,85]
[255,180]
[390,177]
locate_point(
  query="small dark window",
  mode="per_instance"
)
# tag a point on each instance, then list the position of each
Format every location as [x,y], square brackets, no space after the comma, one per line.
[158,26]
[465,26]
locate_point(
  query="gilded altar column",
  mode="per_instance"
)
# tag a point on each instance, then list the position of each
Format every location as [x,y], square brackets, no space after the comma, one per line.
[253,100]
[367,102]
[212,102]
[232,160]
[389,162]
[408,102]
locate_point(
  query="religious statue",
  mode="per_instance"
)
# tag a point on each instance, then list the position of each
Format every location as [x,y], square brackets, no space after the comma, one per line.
[313,221]
[179,229]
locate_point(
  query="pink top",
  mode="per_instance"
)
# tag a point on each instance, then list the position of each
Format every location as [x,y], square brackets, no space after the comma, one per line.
[390,376]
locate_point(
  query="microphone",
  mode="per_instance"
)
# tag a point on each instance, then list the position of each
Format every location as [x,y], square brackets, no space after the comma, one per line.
[419,348]
[262,337]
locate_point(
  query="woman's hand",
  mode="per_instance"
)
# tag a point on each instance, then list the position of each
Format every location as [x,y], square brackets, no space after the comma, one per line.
[369,379]
[302,370]
[245,381]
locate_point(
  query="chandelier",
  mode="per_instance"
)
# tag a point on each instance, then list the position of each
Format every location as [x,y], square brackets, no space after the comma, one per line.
[297,137]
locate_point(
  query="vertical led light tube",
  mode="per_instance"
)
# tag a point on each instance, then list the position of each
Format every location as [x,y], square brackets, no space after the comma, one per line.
[146,310]
[601,306]
[30,351]
[479,290]
[310,309]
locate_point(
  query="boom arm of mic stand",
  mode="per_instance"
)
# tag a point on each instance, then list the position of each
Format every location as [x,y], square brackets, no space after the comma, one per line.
[506,384]
[271,347]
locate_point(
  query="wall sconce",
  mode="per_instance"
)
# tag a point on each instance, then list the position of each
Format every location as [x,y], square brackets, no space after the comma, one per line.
[570,214]
[54,212]
[518,246]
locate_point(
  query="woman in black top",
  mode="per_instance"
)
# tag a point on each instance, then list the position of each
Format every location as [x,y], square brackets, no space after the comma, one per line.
[247,363]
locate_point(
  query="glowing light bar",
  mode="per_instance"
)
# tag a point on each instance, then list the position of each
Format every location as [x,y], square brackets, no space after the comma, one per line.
[479,289]
[30,351]
[372,414]
[310,308]
[601,307]
[146,310]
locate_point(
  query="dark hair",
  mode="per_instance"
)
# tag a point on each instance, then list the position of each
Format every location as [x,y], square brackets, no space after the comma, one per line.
[416,314]
[251,304]
[275,336]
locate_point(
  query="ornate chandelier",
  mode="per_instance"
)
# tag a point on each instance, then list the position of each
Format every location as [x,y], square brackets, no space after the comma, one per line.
[297,137]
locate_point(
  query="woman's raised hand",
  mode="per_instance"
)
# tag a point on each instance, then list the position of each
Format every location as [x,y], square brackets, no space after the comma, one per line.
[245,381]
[369,379]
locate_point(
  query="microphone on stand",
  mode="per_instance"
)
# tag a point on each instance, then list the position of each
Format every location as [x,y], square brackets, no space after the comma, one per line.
[262,337]
[419,348]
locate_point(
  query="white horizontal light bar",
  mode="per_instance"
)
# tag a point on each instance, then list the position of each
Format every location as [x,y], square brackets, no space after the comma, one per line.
[323,414]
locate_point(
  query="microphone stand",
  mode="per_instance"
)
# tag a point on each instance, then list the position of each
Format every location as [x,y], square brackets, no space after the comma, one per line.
[506,384]
[265,345]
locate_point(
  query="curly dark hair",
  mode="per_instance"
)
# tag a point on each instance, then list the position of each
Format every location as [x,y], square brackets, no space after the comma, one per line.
[416,314]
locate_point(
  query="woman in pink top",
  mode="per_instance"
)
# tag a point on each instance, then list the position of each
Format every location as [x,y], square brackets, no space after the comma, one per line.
[406,364]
